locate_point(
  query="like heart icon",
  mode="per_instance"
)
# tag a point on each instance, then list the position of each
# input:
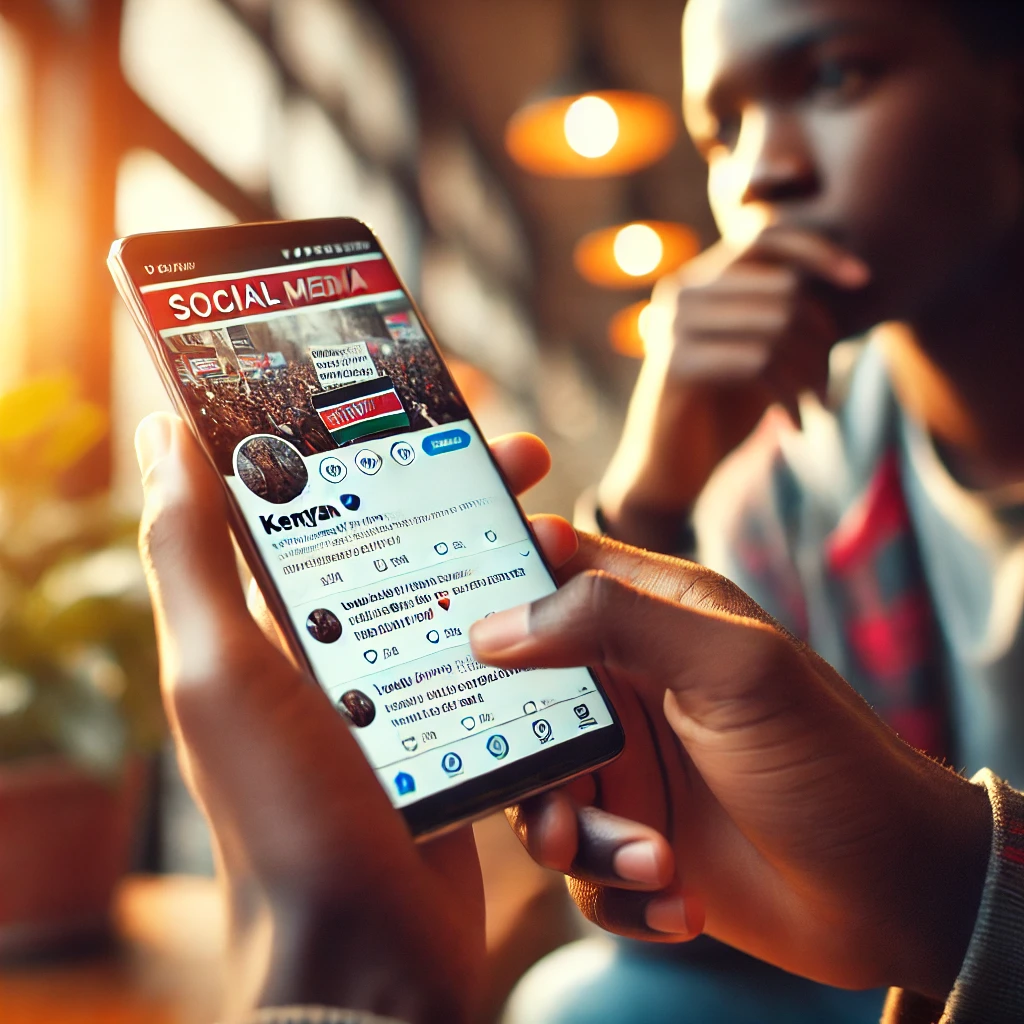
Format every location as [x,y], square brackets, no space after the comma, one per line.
[445,602]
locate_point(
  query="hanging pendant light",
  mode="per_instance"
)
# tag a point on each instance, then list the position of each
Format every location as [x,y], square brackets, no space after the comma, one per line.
[577,129]
[590,135]
[634,255]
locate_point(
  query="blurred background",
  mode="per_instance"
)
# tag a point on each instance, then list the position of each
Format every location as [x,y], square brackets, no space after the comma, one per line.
[521,160]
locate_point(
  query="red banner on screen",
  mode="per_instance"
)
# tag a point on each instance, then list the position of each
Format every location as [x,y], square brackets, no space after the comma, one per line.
[204,304]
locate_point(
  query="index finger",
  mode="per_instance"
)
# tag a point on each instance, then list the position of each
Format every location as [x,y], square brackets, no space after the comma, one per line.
[672,579]
[811,253]
[524,459]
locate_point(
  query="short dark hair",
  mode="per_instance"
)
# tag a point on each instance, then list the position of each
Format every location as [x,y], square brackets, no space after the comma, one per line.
[990,26]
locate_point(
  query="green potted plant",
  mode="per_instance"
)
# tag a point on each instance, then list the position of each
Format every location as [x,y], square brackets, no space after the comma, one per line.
[79,701]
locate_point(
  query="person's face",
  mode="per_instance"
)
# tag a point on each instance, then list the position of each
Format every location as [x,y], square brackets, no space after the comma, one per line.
[868,121]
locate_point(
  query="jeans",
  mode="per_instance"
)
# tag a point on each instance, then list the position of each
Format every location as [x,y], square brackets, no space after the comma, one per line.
[603,980]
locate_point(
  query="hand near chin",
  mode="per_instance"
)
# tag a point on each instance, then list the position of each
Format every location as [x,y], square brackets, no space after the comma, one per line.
[758,799]
[750,326]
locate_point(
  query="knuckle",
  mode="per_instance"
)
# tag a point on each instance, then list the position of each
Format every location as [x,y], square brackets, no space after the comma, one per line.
[516,817]
[163,532]
[779,319]
[614,910]
[601,593]
[589,898]
[709,591]
[789,279]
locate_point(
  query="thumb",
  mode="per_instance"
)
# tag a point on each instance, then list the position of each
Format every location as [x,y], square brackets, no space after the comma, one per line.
[599,620]
[186,548]
[724,670]
[676,580]
[205,633]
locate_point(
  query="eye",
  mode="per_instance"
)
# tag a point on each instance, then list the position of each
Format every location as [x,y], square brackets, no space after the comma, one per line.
[727,132]
[839,80]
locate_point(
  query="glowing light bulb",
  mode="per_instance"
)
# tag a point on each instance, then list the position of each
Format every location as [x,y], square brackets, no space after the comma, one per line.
[654,325]
[591,126]
[638,249]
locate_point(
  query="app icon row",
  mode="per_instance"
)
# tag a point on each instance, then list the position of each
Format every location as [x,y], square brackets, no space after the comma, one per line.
[451,763]
[367,461]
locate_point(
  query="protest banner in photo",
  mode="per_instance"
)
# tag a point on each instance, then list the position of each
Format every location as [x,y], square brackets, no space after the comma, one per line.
[357,410]
[342,364]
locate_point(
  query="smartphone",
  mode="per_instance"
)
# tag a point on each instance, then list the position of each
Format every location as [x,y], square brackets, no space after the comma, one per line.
[366,503]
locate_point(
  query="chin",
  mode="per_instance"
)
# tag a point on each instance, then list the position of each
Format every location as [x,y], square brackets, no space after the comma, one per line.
[858,313]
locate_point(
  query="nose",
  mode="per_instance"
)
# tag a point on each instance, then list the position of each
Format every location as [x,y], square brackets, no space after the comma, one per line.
[780,166]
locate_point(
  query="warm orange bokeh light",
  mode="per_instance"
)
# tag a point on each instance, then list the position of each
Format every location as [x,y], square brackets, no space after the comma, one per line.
[536,135]
[634,330]
[598,262]
[624,330]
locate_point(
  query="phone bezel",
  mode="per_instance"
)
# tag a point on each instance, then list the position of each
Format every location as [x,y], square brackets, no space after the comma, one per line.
[476,797]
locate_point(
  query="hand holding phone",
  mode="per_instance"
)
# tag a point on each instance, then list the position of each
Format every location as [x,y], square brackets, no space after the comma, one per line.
[366,503]
[759,799]
[360,916]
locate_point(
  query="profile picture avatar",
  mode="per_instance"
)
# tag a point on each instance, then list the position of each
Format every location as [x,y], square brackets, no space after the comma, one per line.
[271,468]
[357,707]
[323,625]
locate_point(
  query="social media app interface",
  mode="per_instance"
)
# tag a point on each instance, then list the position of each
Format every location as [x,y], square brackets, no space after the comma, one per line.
[376,508]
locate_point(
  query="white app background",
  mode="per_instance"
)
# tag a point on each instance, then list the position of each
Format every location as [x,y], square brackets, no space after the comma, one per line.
[404,542]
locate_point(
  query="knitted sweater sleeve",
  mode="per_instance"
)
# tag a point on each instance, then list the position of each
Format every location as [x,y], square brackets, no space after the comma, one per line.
[990,987]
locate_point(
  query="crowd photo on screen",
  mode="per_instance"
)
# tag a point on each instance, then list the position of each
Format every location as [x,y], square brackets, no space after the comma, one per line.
[261,378]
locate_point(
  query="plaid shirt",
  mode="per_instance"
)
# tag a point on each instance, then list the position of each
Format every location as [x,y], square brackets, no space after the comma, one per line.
[814,525]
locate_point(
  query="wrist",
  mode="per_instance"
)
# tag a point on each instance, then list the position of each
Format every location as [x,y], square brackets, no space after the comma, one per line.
[990,985]
[299,949]
[654,527]
[942,876]
[357,956]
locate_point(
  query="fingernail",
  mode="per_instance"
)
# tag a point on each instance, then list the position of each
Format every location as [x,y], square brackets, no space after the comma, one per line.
[152,441]
[854,272]
[667,914]
[637,862]
[501,630]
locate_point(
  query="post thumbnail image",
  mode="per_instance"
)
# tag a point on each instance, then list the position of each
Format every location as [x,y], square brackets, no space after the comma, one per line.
[317,380]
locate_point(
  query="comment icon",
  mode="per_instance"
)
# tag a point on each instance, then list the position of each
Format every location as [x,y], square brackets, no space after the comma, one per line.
[434,637]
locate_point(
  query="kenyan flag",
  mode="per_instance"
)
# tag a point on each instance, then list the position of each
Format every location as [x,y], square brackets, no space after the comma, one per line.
[355,410]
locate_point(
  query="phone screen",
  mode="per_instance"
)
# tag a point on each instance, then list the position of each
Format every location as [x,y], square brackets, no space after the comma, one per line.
[373,503]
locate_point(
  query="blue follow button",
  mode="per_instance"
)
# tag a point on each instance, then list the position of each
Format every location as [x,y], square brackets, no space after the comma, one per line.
[446,441]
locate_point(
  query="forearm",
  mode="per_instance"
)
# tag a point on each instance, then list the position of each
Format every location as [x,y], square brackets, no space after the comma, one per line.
[664,458]
[674,437]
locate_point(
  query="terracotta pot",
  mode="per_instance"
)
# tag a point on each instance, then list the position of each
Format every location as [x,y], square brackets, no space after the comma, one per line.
[66,839]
